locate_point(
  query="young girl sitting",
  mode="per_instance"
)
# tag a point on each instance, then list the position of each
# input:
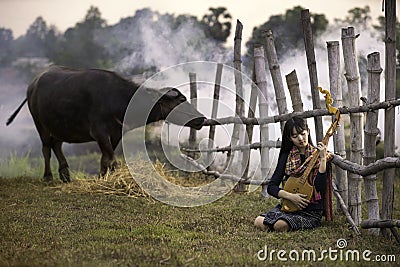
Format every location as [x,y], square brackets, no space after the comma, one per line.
[295,149]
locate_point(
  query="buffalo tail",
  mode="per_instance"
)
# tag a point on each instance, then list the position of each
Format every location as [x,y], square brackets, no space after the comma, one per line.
[12,117]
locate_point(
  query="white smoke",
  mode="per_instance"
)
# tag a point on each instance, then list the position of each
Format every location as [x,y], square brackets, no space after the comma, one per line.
[153,41]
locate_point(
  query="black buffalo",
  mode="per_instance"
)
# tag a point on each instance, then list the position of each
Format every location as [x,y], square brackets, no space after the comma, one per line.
[78,106]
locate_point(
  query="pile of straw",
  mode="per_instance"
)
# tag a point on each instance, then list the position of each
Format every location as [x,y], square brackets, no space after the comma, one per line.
[121,181]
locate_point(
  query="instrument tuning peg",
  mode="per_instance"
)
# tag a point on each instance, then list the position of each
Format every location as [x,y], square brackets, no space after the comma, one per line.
[364,99]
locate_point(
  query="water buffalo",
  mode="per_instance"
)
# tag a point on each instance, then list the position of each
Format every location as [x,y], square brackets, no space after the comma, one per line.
[78,106]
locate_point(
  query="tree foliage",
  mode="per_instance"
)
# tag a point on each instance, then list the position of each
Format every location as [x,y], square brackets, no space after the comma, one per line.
[40,40]
[217,24]
[92,43]
[6,42]
[78,47]
[287,30]
[359,17]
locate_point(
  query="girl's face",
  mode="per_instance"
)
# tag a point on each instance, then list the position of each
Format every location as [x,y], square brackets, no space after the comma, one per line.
[300,139]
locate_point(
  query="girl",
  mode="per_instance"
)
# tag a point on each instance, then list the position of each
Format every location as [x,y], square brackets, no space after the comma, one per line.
[295,149]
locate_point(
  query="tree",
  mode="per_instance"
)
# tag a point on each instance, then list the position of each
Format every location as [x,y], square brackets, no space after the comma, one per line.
[217,24]
[39,41]
[6,41]
[79,47]
[287,31]
[382,28]
[359,17]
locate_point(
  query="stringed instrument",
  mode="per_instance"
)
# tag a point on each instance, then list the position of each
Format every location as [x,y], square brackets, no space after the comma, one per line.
[299,183]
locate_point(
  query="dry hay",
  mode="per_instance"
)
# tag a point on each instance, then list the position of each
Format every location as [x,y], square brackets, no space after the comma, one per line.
[121,181]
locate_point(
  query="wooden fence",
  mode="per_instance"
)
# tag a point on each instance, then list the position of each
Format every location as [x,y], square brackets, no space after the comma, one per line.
[362,164]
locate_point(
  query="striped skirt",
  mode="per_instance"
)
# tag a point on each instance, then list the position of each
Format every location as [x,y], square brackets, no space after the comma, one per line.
[298,220]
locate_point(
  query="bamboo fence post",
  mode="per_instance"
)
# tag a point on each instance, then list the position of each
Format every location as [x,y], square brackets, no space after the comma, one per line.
[390,93]
[237,63]
[371,131]
[312,70]
[276,75]
[343,207]
[261,77]
[356,119]
[249,127]
[337,96]
[214,111]
[193,101]
[294,91]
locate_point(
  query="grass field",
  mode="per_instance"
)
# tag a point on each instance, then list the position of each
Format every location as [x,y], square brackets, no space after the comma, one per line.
[55,225]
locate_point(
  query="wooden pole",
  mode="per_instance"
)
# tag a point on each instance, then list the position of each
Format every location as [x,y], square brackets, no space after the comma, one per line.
[214,111]
[380,223]
[371,131]
[312,70]
[344,209]
[356,119]
[294,90]
[276,75]
[377,166]
[193,101]
[249,127]
[237,63]
[261,77]
[390,93]
[338,138]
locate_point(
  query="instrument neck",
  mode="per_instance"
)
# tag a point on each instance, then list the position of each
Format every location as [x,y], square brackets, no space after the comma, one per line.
[313,160]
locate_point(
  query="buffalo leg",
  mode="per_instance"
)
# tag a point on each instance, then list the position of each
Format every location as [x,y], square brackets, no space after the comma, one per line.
[46,150]
[63,168]
[108,161]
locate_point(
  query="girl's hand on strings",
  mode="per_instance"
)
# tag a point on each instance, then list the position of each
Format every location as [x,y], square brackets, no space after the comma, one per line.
[299,200]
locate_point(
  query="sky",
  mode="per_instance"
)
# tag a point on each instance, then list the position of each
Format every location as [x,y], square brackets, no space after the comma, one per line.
[18,15]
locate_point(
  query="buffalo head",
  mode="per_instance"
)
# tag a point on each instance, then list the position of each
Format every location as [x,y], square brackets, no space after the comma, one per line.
[174,108]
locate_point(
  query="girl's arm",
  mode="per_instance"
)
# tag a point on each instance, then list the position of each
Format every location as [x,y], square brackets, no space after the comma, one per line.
[273,185]
[322,157]
[320,179]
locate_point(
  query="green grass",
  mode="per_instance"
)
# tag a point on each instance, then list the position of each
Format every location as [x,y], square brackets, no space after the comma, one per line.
[49,225]
[27,166]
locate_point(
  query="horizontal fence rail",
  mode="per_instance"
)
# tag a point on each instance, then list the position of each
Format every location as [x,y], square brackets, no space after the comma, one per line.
[306,114]
[256,145]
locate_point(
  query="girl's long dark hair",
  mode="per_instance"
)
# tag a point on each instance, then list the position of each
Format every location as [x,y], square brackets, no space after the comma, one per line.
[300,125]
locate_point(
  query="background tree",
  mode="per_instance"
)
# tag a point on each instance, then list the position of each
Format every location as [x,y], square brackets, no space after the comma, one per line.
[217,24]
[6,41]
[381,27]
[40,40]
[35,37]
[79,47]
[287,31]
[359,17]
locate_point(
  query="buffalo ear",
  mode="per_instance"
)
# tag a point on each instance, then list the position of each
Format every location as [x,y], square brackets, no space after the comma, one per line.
[171,93]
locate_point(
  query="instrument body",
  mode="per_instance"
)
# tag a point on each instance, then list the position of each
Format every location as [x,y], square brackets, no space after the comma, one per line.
[299,183]
[296,185]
